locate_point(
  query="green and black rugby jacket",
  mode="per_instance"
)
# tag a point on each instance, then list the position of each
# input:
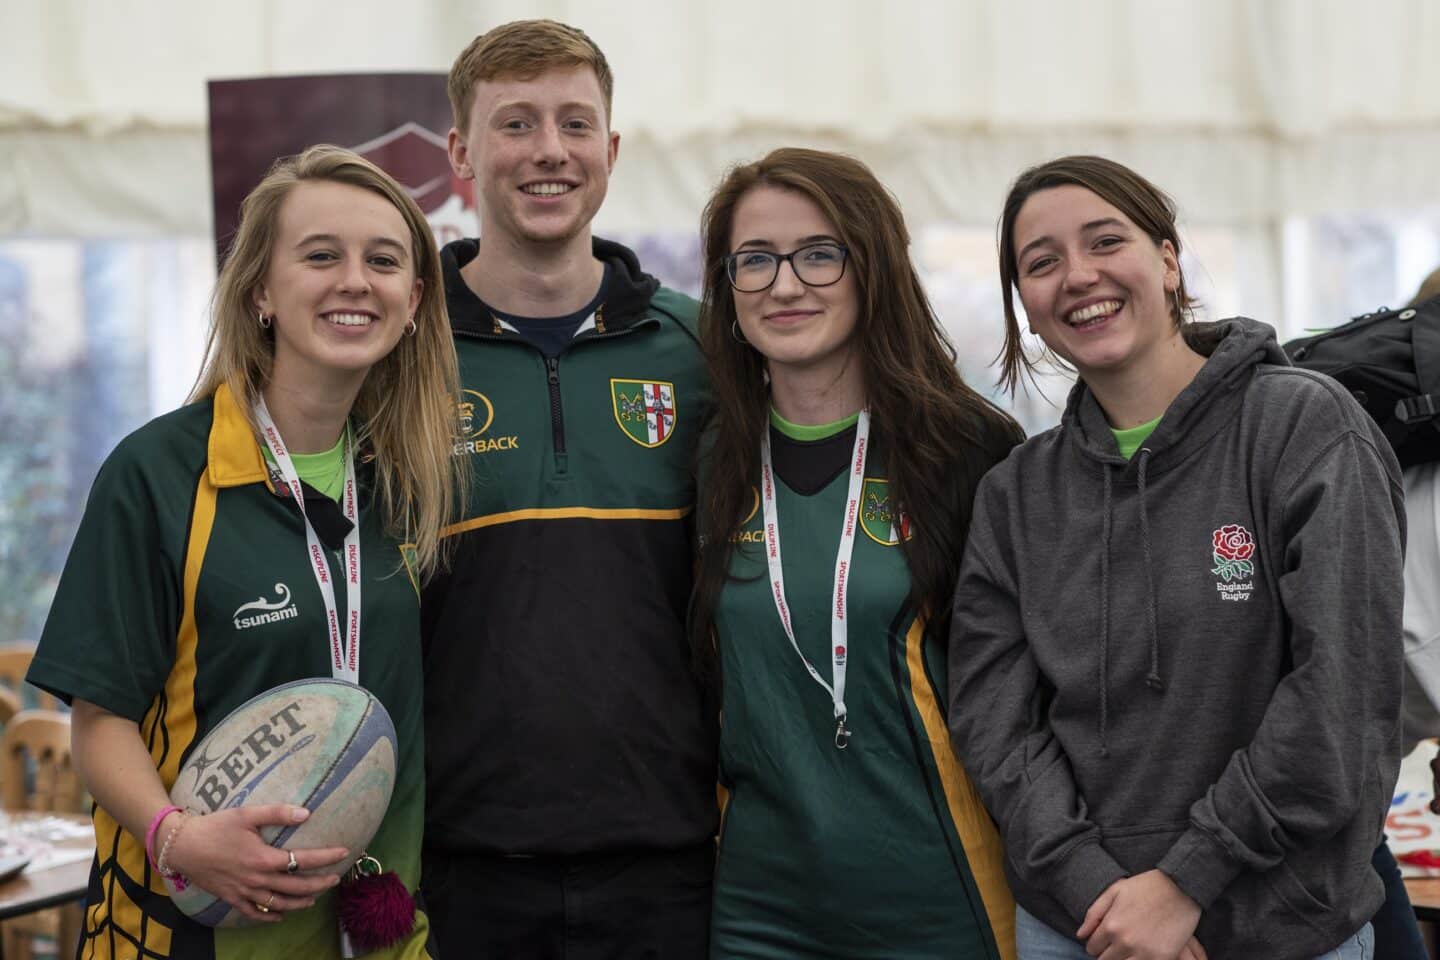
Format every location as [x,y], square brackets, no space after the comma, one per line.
[563,717]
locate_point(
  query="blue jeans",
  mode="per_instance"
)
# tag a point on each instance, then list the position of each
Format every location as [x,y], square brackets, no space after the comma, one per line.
[1035,941]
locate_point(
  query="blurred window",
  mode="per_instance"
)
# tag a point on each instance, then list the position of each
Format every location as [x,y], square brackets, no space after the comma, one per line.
[96,337]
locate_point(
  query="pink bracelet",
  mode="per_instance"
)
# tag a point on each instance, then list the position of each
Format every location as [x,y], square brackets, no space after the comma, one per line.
[150,832]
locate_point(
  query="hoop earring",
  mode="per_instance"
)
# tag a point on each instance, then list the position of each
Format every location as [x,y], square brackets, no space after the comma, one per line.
[735,333]
[410,327]
[264,320]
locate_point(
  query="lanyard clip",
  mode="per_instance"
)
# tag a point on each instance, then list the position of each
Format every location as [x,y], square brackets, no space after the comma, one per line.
[842,736]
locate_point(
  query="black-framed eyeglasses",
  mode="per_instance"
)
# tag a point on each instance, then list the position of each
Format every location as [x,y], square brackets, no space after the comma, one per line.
[815,265]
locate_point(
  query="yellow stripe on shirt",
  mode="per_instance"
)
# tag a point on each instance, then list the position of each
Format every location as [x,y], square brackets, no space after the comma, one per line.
[564,513]
[167,728]
[978,836]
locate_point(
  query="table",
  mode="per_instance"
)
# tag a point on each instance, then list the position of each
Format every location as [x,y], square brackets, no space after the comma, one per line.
[1424,897]
[38,889]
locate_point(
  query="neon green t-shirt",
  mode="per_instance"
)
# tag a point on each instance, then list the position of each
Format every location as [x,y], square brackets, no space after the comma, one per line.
[797,431]
[1128,440]
[323,471]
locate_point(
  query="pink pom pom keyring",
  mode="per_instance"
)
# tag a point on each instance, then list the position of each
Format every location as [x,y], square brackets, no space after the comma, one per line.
[376,910]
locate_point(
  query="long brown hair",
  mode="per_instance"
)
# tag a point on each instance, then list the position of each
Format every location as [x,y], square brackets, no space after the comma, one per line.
[925,414]
[405,410]
[1147,206]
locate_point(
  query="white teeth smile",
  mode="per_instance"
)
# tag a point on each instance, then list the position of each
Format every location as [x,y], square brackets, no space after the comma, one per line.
[547,189]
[1086,315]
[350,319]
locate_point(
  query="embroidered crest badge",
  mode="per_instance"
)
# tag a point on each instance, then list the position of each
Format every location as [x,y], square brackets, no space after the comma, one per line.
[878,517]
[1232,549]
[644,409]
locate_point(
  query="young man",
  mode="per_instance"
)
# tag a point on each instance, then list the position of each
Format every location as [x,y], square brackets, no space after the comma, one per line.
[570,759]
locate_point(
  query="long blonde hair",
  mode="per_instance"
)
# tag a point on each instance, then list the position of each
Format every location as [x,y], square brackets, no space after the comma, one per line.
[405,411]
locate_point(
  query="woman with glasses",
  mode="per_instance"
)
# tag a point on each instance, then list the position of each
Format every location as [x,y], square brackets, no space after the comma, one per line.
[1175,664]
[835,496]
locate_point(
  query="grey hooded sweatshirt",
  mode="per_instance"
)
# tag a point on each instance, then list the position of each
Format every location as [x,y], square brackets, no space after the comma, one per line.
[1191,660]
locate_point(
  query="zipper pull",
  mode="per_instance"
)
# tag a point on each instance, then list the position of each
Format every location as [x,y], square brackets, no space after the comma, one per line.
[552,364]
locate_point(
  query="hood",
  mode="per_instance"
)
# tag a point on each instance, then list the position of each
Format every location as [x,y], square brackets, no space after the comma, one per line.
[1232,348]
[627,294]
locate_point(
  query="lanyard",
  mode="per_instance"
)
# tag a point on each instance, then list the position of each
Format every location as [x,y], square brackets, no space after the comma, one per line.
[839,624]
[342,667]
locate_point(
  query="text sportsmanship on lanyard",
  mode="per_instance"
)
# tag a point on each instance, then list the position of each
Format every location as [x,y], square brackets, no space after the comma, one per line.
[344,658]
[839,622]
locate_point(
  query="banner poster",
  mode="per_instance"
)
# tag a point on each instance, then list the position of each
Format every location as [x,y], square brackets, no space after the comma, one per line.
[1412,831]
[399,121]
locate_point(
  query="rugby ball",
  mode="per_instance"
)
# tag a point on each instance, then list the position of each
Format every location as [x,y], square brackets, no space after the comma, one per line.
[322,744]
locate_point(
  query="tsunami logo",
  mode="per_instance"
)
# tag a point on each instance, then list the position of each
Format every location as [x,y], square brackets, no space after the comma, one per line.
[261,611]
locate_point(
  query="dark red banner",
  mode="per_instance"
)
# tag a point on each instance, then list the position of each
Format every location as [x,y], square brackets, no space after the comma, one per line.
[397,120]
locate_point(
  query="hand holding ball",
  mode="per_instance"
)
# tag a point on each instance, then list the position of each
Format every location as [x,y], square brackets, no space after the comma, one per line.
[323,745]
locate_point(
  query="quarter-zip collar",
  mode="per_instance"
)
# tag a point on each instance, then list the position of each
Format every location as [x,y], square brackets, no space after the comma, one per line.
[625,305]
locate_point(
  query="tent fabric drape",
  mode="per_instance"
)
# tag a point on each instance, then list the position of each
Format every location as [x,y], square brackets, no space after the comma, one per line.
[1247,110]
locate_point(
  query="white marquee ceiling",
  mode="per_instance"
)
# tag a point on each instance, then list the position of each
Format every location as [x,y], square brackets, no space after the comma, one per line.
[1246,110]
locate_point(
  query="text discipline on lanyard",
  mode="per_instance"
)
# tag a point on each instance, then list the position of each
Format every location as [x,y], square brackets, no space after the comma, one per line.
[344,659]
[839,624]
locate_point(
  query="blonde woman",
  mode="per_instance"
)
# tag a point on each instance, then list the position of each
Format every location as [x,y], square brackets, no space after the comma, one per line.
[189,587]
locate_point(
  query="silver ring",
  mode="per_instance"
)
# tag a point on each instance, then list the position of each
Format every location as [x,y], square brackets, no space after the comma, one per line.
[292,866]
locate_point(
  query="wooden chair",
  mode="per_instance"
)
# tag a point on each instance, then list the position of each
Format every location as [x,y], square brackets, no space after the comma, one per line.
[14,662]
[9,705]
[36,774]
[42,737]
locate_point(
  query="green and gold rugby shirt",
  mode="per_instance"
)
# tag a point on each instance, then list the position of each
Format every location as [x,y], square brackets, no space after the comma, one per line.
[564,714]
[880,851]
[187,592]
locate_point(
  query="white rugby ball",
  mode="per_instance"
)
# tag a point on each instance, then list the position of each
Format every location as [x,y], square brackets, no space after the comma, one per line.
[323,744]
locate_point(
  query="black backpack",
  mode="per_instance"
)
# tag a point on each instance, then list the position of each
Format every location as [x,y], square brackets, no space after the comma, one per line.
[1390,361]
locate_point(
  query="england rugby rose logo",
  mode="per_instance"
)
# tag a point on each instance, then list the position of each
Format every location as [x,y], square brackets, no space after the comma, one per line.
[1232,547]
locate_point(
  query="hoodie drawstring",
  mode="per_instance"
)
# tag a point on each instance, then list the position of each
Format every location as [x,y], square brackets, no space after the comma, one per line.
[1105,621]
[1153,679]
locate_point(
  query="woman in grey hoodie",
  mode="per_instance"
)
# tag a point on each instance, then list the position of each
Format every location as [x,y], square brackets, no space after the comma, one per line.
[1175,653]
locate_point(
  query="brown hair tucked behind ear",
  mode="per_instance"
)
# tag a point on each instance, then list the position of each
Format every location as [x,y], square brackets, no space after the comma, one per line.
[1144,203]
[405,411]
[927,416]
